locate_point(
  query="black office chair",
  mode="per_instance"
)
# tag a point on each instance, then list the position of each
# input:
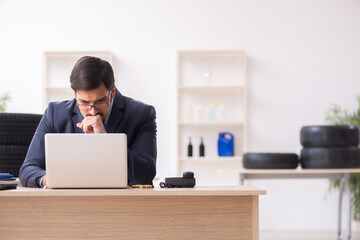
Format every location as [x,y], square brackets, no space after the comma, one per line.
[16,133]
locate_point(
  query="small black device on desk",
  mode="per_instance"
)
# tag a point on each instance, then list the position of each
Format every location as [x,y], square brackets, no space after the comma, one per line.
[187,180]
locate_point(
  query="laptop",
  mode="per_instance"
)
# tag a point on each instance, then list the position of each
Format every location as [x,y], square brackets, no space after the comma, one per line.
[86,160]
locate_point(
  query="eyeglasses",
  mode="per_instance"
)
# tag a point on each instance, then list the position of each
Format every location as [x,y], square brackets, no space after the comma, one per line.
[99,104]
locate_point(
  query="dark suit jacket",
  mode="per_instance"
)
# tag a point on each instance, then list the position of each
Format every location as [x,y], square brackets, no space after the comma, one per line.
[134,118]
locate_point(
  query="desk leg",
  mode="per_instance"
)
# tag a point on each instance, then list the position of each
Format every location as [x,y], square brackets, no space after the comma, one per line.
[341,193]
[347,179]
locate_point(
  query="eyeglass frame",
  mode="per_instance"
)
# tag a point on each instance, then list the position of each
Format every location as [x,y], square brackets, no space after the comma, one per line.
[94,105]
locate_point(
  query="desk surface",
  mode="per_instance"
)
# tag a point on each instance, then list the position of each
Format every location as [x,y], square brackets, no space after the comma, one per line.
[197,191]
[299,171]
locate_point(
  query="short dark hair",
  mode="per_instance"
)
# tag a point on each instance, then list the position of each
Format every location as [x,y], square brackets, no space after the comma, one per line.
[89,72]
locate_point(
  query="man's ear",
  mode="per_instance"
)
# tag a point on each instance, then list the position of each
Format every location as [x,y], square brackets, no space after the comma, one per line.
[113,91]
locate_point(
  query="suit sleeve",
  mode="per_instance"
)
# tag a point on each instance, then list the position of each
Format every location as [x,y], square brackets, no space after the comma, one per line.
[142,153]
[33,167]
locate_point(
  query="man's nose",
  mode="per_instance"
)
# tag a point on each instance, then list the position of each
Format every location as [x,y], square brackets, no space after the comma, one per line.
[93,111]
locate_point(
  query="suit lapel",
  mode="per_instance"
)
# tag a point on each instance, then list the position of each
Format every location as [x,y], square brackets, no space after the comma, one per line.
[116,113]
[77,118]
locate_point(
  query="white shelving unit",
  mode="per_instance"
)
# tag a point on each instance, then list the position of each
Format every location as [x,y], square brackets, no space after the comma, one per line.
[211,78]
[57,68]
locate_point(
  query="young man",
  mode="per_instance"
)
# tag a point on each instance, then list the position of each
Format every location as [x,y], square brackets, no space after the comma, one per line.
[98,107]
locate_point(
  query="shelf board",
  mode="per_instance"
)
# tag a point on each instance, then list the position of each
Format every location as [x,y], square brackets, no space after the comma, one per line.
[58,88]
[215,53]
[300,170]
[209,124]
[211,159]
[74,53]
[230,88]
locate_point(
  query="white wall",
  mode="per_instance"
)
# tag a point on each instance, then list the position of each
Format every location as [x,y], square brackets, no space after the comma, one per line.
[303,56]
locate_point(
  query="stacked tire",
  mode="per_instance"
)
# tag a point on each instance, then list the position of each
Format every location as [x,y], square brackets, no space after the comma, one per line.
[333,146]
[16,133]
[270,160]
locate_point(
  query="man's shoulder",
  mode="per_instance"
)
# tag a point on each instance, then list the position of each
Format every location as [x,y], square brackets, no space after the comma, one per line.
[60,108]
[129,100]
[58,117]
[136,105]
[66,105]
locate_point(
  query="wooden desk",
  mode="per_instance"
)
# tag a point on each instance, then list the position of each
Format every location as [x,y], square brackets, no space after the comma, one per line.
[198,213]
[343,174]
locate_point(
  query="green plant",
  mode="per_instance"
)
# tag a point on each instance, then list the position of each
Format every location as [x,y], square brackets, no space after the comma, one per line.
[4,98]
[339,116]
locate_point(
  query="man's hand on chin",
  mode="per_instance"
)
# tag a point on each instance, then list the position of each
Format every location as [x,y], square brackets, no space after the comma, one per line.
[92,124]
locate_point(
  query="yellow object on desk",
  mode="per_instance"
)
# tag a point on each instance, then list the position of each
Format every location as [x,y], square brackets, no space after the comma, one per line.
[142,186]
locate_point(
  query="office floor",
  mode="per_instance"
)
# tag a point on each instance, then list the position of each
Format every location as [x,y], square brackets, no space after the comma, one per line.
[305,235]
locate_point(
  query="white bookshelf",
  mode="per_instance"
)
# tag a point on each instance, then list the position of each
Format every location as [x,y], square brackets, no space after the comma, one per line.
[57,67]
[211,78]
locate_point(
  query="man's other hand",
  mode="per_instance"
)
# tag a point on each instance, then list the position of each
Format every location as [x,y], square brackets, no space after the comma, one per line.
[43,183]
[92,124]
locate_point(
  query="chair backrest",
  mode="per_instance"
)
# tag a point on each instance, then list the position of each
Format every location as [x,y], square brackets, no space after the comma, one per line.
[16,133]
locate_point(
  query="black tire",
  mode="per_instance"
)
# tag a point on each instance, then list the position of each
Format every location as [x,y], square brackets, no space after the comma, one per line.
[270,160]
[11,158]
[329,136]
[18,128]
[330,157]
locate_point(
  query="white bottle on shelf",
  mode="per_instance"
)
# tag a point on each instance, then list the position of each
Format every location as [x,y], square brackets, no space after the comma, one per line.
[211,113]
[200,113]
[221,112]
[189,113]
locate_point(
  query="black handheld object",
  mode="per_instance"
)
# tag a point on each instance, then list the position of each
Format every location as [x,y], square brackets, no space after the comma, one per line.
[187,180]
